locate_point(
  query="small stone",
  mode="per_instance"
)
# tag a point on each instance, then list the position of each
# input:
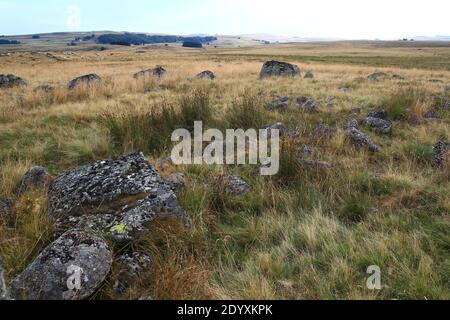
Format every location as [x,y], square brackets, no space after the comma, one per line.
[36,177]
[361,140]
[307,104]
[131,268]
[280,104]
[46,88]
[377,76]
[233,185]
[276,126]
[352,123]
[378,125]
[309,75]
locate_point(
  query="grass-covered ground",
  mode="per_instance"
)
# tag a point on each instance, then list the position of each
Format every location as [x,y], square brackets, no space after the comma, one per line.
[303,234]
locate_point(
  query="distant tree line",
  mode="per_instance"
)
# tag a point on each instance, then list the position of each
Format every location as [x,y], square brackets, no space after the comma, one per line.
[140,39]
[192,44]
[4,41]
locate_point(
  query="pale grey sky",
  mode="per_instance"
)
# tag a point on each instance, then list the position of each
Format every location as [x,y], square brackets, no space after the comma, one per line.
[354,19]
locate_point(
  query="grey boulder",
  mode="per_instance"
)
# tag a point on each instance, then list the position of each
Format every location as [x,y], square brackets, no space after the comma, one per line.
[206,75]
[279,69]
[280,104]
[307,104]
[377,76]
[126,192]
[233,185]
[71,268]
[10,81]
[88,79]
[158,72]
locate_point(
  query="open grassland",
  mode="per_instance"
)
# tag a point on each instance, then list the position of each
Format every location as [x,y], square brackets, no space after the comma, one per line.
[303,234]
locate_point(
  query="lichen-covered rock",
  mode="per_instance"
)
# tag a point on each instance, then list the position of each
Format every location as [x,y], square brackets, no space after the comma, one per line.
[88,79]
[158,72]
[362,140]
[127,188]
[378,125]
[71,268]
[36,177]
[131,268]
[442,154]
[377,76]
[279,69]
[280,104]
[10,81]
[351,123]
[206,75]
[307,104]
[233,185]
[4,293]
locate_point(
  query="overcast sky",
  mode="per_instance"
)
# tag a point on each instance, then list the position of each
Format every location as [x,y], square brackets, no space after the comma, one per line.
[352,19]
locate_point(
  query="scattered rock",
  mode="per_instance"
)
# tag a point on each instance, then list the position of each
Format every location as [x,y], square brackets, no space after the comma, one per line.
[279,69]
[352,123]
[75,256]
[436,81]
[131,269]
[379,115]
[309,75]
[10,80]
[89,79]
[378,125]
[307,151]
[4,294]
[331,101]
[398,77]
[431,114]
[158,72]
[442,154]
[324,132]
[280,104]
[6,207]
[276,126]
[362,140]
[377,76]
[46,88]
[307,104]
[206,75]
[177,181]
[127,188]
[36,177]
[233,185]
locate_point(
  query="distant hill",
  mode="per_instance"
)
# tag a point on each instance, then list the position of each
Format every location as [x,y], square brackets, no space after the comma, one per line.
[435,38]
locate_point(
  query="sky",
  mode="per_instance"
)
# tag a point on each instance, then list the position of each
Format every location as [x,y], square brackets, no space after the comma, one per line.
[347,19]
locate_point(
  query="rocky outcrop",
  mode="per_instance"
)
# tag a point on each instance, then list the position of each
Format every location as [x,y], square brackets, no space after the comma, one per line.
[158,72]
[280,104]
[361,140]
[10,81]
[71,268]
[88,79]
[206,75]
[36,177]
[119,196]
[279,69]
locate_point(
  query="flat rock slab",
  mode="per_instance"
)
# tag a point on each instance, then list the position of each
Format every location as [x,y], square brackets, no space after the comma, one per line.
[71,268]
[122,195]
